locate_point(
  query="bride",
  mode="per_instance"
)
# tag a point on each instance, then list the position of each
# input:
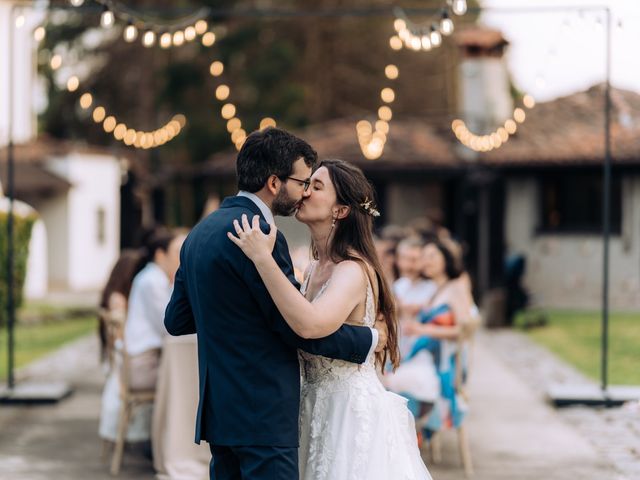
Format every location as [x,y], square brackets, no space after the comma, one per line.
[350,426]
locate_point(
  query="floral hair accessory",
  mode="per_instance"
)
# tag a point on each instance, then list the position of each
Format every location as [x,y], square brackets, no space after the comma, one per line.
[368,207]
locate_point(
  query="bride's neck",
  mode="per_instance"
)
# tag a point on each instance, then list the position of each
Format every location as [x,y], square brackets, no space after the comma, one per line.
[321,237]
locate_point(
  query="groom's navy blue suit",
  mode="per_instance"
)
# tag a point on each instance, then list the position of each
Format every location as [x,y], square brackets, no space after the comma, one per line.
[247,354]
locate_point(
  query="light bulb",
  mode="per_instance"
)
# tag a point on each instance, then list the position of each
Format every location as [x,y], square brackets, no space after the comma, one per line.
[73,83]
[391,71]
[436,38]
[446,24]
[149,38]
[39,33]
[76,3]
[399,24]
[208,39]
[130,33]
[178,38]
[165,40]
[459,7]
[201,27]
[395,43]
[189,34]
[216,68]
[107,18]
[19,21]
[426,42]
[222,92]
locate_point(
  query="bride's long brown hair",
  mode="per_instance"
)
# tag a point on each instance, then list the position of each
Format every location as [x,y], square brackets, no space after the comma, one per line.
[352,239]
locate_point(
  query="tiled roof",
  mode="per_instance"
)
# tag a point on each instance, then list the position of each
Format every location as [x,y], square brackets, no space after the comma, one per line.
[565,131]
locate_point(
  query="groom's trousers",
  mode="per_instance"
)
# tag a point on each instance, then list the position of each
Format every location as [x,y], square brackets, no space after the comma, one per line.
[254,463]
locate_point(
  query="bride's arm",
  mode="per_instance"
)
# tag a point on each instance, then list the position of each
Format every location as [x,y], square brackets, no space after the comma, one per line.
[309,320]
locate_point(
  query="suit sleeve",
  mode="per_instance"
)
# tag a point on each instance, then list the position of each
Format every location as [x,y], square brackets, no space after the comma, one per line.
[178,316]
[350,343]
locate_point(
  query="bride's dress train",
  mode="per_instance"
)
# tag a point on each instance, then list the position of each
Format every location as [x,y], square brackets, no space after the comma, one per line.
[351,428]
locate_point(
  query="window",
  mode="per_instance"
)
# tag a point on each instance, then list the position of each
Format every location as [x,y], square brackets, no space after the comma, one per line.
[102,237]
[572,203]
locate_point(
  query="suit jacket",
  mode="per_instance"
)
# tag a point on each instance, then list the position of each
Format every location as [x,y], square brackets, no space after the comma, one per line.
[247,354]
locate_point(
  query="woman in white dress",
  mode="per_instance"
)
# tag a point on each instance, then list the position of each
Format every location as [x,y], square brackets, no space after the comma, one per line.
[350,426]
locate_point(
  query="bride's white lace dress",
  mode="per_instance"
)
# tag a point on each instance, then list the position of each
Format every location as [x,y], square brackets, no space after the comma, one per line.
[351,428]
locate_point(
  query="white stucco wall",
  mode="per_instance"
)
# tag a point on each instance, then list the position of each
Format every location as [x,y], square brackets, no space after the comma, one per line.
[23,71]
[96,186]
[565,271]
[36,280]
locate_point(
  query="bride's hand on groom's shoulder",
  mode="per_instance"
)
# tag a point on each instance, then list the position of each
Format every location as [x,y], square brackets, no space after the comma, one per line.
[381,327]
[249,237]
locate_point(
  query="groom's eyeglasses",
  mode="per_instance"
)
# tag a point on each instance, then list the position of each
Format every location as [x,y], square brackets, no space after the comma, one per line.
[306,182]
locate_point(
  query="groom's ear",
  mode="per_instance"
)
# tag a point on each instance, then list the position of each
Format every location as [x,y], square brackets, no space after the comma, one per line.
[343,211]
[273,183]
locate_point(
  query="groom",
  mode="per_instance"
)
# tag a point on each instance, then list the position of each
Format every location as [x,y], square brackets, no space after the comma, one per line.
[247,354]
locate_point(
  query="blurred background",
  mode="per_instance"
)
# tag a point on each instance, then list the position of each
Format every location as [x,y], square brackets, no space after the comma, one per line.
[484,123]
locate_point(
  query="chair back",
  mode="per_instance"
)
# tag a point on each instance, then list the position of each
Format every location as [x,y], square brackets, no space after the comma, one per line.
[117,353]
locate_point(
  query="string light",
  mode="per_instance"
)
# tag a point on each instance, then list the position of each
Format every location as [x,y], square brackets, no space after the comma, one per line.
[391,72]
[39,33]
[222,92]
[56,62]
[216,68]
[267,122]
[497,138]
[181,31]
[149,38]
[107,19]
[424,37]
[86,100]
[459,7]
[178,38]
[208,39]
[130,33]
[73,83]
[20,21]
[165,40]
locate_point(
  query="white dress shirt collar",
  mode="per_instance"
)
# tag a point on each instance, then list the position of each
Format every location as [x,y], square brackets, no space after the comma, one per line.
[264,209]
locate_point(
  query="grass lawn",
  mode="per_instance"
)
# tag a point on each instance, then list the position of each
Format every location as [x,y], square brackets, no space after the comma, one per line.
[575,337]
[34,340]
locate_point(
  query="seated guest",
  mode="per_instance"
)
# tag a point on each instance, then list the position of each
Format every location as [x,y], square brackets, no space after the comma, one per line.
[412,290]
[150,294]
[439,324]
[115,295]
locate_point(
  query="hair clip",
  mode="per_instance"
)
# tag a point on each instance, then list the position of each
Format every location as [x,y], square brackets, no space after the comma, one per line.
[368,207]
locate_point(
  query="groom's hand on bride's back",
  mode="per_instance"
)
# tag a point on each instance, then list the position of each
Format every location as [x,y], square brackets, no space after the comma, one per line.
[381,327]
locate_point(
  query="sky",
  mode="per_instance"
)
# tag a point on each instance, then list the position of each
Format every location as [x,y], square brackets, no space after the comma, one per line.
[556,53]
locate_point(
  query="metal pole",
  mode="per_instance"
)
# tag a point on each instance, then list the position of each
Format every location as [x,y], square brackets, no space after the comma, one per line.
[606,200]
[11,310]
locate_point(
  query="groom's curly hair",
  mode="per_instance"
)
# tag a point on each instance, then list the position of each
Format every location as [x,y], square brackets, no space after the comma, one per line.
[267,152]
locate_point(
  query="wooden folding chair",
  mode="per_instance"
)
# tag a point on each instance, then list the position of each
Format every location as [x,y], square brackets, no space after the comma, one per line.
[464,344]
[129,400]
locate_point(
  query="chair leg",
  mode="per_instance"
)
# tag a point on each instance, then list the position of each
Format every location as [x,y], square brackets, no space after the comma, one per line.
[465,453]
[123,424]
[436,448]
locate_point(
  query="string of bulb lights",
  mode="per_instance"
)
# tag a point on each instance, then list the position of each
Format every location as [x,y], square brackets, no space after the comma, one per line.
[228,110]
[496,138]
[168,131]
[143,139]
[373,138]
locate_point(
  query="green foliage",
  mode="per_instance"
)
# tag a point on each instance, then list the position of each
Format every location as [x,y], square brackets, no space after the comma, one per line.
[575,337]
[37,339]
[22,234]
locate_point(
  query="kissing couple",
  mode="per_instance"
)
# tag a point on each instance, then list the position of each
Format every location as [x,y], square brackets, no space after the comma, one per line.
[288,381]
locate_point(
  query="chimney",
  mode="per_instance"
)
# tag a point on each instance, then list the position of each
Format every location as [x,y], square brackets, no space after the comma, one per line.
[483,89]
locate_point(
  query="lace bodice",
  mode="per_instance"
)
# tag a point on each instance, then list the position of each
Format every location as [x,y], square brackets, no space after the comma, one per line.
[316,368]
